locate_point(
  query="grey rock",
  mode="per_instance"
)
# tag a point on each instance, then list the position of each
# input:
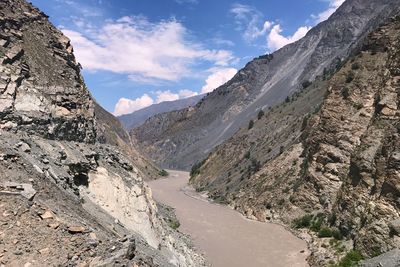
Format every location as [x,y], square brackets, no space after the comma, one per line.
[395,226]
[388,259]
[25,190]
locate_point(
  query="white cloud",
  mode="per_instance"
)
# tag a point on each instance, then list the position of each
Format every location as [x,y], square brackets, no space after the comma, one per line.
[187,1]
[163,96]
[249,20]
[276,40]
[218,77]
[222,42]
[324,15]
[185,93]
[126,106]
[143,50]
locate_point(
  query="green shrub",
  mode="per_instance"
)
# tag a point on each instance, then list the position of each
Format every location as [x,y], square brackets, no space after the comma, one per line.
[163,172]
[196,168]
[174,224]
[260,114]
[303,222]
[306,84]
[324,232]
[355,66]
[337,234]
[247,155]
[350,77]
[255,165]
[316,224]
[251,124]
[351,259]
[345,92]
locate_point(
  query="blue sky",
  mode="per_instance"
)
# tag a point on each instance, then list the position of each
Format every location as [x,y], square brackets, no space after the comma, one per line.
[136,53]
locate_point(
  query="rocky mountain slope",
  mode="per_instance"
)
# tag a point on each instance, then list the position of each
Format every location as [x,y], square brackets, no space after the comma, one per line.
[138,117]
[71,189]
[180,138]
[333,169]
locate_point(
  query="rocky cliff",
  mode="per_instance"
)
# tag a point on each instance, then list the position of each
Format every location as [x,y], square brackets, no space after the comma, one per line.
[71,188]
[331,171]
[180,138]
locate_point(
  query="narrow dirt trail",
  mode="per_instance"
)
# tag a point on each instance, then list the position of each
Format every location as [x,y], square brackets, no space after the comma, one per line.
[225,236]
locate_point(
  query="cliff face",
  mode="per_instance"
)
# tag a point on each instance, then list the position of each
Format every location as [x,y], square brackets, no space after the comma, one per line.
[41,88]
[70,184]
[180,138]
[339,161]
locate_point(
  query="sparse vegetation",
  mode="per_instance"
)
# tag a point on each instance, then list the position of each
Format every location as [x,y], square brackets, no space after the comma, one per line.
[351,259]
[303,222]
[305,84]
[174,224]
[255,165]
[350,77]
[196,168]
[163,172]
[345,92]
[260,114]
[325,232]
[251,124]
[355,66]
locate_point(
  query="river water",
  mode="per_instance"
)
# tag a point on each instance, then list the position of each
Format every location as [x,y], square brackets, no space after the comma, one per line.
[226,238]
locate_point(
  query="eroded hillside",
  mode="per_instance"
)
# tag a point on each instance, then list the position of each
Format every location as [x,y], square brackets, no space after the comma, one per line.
[337,168]
[71,188]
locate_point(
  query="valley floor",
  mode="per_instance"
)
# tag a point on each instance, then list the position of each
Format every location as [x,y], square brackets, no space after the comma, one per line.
[225,236]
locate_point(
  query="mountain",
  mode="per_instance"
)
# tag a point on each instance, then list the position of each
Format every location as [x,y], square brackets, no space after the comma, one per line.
[180,138]
[326,161]
[71,186]
[138,117]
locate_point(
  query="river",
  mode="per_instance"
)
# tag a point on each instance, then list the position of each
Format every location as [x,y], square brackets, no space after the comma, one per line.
[224,236]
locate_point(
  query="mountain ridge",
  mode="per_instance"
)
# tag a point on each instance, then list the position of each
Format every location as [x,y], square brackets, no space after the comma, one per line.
[331,170]
[138,117]
[180,138]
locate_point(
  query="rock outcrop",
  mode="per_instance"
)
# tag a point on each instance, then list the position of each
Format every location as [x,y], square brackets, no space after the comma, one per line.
[338,164]
[71,186]
[178,139]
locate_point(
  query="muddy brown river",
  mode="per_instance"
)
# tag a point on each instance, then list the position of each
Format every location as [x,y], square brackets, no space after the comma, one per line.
[224,236]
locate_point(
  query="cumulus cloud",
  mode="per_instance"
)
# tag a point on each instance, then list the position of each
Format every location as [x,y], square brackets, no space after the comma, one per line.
[217,78]
[126,106]
[249,20]
[276,40]
[324,15]
[143,50]
[187,1]
[185,93]
[166,96]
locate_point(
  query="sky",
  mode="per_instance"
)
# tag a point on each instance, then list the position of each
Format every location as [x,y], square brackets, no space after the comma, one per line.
[136,53]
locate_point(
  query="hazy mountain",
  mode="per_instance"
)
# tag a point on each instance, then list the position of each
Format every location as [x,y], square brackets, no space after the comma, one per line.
[138,117]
